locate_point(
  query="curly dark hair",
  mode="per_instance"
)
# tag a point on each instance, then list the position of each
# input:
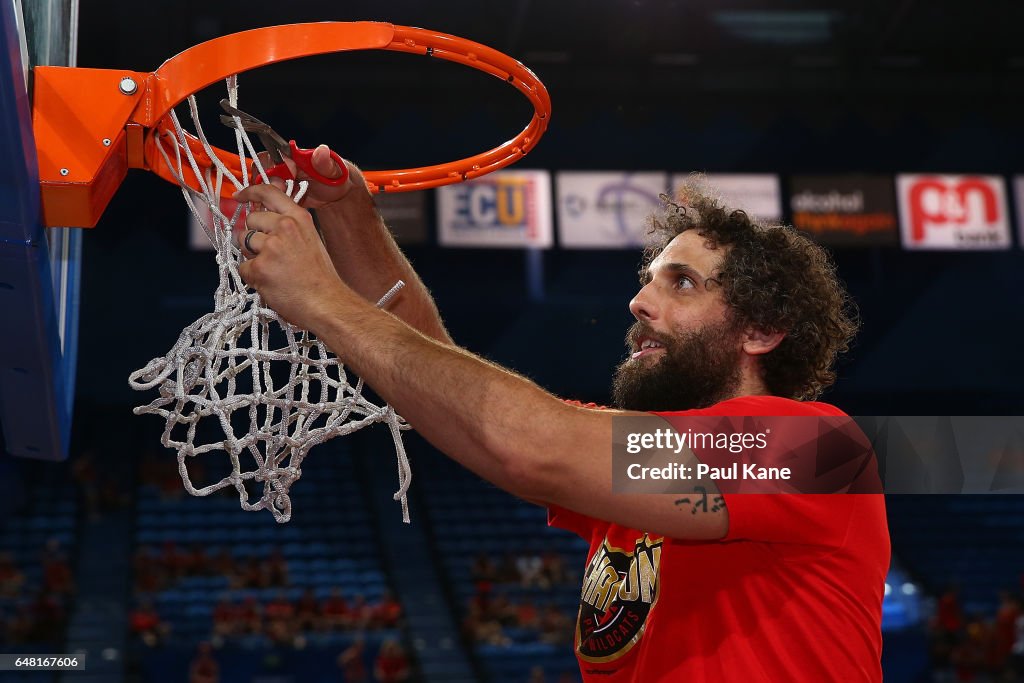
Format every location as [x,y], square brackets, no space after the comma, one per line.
[775,279]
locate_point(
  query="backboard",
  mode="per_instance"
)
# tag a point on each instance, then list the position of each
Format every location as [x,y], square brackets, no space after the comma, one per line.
[39,268]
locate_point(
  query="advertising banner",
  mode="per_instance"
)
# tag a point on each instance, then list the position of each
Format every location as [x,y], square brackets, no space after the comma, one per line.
[504,209]
[845,210]
[405,215]
[953,212]
[759,194]
[606,210]
[1018,191]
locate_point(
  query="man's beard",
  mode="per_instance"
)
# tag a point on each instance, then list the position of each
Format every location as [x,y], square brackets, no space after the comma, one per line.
[697,369]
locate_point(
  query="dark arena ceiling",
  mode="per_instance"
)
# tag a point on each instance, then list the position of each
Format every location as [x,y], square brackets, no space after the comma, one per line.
[631,45]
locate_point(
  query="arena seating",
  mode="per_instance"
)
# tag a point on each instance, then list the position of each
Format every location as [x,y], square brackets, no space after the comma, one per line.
[38,528]
[328,545]
[332,543]
[469,517]
[971,542]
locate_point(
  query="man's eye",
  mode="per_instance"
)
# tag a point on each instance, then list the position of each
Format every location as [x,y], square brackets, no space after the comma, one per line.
[684,283]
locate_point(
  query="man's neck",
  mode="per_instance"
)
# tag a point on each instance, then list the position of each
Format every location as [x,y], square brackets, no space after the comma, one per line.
[751,384]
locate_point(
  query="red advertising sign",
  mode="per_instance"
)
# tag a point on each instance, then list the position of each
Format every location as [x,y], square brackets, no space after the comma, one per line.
[953,212]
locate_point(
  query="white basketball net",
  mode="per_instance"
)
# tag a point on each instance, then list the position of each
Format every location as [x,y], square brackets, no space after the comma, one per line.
[299,396]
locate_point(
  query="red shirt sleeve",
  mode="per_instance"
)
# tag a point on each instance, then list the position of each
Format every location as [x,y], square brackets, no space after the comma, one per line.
[806,519]
[817,519]
[581,525]
[559,517]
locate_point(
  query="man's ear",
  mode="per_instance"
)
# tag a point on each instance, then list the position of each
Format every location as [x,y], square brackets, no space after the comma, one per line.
[757,341]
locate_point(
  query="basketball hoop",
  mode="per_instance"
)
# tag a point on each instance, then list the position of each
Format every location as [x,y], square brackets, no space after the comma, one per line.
[92,125]
[240,368]
[270,391]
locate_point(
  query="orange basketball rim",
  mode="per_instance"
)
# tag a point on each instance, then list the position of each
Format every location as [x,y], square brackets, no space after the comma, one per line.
[92,125]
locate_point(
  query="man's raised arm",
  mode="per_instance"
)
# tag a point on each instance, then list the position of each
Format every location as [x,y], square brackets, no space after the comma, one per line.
[494,422]
[362,249]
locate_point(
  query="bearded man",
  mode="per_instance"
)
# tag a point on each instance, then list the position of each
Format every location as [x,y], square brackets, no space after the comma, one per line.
[733,319]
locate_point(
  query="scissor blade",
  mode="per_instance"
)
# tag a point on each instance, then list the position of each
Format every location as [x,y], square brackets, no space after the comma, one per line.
[271,143]
[226,106]
[260,129]
[247,126]
[250,124]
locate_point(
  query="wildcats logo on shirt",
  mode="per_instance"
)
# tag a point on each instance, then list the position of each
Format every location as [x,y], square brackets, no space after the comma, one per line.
[619,590]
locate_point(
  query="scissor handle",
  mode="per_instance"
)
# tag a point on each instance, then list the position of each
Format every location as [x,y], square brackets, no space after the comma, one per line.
[280,171]
[303,158]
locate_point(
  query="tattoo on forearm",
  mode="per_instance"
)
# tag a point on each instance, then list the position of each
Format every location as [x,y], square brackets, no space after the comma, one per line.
[700,502]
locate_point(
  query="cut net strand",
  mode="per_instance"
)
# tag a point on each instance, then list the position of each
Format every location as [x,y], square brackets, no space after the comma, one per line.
[299,394]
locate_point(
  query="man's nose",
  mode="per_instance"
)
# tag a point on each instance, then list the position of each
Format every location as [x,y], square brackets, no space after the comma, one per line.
[641,306]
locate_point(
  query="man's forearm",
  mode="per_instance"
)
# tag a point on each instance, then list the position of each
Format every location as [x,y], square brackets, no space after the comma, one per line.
[367,258]
[492,421]
[498,424]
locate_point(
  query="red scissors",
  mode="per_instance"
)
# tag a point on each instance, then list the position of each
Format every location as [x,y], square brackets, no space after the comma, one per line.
[278,149]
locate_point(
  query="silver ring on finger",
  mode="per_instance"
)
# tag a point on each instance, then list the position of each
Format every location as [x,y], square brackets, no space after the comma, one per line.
[248,236]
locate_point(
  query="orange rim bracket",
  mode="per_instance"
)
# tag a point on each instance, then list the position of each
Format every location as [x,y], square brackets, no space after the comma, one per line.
[78,119]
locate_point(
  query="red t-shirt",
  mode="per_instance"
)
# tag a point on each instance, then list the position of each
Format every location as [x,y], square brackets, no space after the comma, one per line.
[391,668]
[144,620]
[792,593]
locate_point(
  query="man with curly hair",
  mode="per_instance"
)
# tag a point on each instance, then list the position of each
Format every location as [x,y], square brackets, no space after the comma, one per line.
[733,319]
[770,278]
